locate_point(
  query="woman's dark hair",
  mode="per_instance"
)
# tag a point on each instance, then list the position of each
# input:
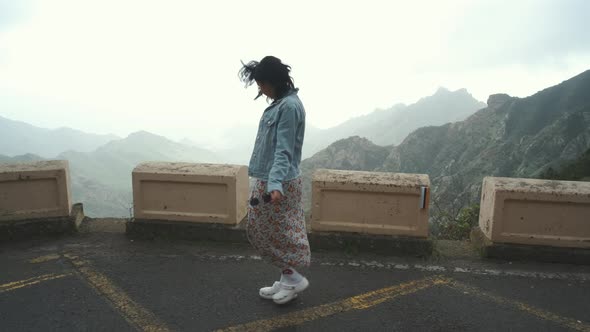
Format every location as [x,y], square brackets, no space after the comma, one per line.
[269,70]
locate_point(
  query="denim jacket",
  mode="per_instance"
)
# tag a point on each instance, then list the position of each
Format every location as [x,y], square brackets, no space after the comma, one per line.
[277,151]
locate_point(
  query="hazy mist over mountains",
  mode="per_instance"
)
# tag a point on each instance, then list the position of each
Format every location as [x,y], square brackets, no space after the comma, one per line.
[450,136]
[102,178]
[101,165]
[20,138]
[392,125]
[384,127]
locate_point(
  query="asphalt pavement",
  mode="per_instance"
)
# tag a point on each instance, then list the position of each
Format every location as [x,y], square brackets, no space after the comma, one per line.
[100,280]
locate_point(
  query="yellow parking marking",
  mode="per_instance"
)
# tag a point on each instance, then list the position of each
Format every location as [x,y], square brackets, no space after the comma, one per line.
[359,302]
[133,312]
[45,258]
[30,282]
[543,314]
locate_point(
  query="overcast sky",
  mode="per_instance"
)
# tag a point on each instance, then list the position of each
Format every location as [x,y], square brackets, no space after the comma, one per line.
[170,67]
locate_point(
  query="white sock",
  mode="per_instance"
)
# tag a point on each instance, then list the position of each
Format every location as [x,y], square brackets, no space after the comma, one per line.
[290,277]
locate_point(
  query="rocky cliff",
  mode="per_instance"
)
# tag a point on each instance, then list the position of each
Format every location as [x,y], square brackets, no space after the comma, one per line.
[515,137]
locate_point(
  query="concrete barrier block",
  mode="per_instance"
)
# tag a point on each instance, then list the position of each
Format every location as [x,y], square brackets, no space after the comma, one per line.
[525,252]
[27,229]
[190,192]
[34,190]
[370,203]
[536,212]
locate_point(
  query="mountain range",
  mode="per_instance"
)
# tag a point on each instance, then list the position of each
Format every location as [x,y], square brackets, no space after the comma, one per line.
[513,137]
[101,166]
[392,125]
[383,127]
[18,138]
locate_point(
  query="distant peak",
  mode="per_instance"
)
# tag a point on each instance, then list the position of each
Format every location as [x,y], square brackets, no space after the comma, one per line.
[444,91]
[497,100]
[353,141]
[142,134]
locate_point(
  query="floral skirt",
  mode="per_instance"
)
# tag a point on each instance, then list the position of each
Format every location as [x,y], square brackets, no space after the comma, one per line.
[278,231]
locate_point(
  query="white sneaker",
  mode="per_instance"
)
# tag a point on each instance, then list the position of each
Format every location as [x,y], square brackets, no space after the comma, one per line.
[268,292]
[289,292]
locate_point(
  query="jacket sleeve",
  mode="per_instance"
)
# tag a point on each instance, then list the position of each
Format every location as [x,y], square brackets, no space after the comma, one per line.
[285,147]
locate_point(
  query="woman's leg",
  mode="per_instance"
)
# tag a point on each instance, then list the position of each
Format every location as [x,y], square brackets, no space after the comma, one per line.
[278,232]
[290,276]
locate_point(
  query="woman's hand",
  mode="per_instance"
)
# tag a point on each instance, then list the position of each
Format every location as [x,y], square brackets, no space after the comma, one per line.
[276,196]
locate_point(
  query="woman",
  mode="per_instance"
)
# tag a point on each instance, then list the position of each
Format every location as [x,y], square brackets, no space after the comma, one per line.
[276,222]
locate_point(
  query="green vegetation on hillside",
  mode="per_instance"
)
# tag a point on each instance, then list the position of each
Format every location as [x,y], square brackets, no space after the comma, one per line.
[578,170]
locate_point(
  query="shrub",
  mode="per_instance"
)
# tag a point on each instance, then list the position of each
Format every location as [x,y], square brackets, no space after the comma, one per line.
[456,226]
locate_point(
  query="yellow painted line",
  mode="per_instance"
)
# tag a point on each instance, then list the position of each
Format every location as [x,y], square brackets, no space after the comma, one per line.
[45,258]
[30,282]
[543,314]
[359,302]
[132,311]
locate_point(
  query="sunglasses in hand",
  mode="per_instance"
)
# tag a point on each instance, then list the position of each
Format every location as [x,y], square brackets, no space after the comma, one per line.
[265,197]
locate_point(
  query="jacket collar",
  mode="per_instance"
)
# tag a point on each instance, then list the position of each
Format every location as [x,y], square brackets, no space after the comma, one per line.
[292,91]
